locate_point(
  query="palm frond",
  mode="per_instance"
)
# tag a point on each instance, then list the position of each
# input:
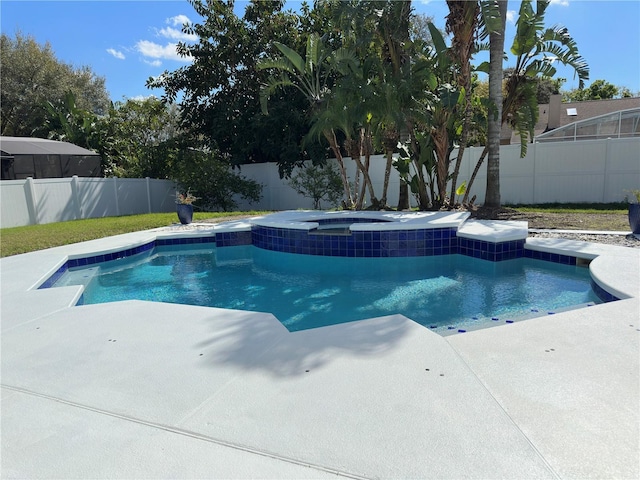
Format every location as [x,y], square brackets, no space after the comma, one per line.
[489,19]
[312,53]
[292,56]
[528,25]
[276,63]
[273,83]
[542,67]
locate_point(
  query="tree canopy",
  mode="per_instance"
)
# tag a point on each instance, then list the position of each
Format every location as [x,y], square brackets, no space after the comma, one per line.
[31,76]
[221,86]
[342,79]
[598,90]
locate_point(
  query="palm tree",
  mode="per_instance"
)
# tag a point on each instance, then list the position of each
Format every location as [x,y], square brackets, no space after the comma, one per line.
[494,120]
[536,50]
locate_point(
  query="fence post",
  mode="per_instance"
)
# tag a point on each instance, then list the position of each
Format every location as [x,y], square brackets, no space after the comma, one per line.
[115,194]
[605,173]
[75,196]
[534,146]
[148,194]
[32,201]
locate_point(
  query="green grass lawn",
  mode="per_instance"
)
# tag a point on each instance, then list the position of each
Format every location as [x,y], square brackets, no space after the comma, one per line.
[614,208]
[37,237]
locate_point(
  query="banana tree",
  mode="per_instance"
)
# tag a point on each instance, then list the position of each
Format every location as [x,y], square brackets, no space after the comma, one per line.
[312,76]
[443,113]
[68,123]
[462,22]
[346,109]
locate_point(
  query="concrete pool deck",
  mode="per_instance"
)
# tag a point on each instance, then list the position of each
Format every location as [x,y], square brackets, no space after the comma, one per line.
[151,390]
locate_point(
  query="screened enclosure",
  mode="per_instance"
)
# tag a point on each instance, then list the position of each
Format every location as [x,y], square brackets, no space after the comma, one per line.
[24,157]
[622,124]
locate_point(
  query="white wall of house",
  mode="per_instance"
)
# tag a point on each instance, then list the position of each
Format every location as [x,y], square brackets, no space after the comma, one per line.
[597,171]
[47,200]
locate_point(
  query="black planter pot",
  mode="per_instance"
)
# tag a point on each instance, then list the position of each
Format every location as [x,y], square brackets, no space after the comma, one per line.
[634,217]
[185,213]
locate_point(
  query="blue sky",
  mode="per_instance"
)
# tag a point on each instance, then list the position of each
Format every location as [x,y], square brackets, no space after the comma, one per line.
[129,41]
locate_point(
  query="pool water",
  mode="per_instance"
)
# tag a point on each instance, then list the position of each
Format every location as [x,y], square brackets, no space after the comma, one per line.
[444,293]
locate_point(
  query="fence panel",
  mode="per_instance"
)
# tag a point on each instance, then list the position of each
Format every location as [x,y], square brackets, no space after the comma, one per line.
[584,171]
[29,201]
[162,195]
[132,196]
[603,170]
[55,201]
[14,209]
[97,197]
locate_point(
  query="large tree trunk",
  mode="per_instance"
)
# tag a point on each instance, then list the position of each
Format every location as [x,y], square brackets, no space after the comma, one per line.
[496,53]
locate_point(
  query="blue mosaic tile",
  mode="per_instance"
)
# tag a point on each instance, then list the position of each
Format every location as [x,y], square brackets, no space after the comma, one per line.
[602,293]
[391,243]
[48,283]
[232,239]
[550,257]
[163,242]
[494,252]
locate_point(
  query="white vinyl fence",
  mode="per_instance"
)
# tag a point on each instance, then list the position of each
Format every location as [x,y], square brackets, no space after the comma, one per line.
[47,200]
[583,171]
[594,171]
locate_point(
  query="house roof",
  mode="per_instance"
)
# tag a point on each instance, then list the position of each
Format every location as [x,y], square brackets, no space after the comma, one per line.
[40,146]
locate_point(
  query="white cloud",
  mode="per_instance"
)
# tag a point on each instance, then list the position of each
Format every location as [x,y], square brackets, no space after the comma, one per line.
[141,98]
[175,34]
[115,53]
[562,3]
[178,20]
[159,52]
[174,31]
[511,16]
[154,53]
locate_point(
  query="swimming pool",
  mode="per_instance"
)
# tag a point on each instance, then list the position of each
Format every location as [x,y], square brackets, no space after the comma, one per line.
[446,293]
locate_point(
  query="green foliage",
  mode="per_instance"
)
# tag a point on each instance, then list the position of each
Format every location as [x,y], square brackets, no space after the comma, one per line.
[547,87]
[31,76]
[214,182]
[536,49]
[635,194]
[141,138]
[598,90]
[318,182]
[68,123]
[144,138]
[220,88]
